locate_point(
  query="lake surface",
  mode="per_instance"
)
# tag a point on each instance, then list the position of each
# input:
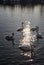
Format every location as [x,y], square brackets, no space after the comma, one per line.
[10,21]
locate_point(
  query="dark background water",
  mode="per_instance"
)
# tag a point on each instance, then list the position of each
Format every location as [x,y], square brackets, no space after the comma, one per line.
[10,21]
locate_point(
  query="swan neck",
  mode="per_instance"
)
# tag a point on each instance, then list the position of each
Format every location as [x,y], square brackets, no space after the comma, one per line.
[22,25]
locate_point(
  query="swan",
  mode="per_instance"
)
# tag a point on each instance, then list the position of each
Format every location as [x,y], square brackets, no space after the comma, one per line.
[20,29]
[34,29]
[39,36]
[10,38]
[25,48]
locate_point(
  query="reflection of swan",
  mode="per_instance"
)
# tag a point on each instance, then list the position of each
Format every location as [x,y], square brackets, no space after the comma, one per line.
[20,29]
[10,38]
[34,29]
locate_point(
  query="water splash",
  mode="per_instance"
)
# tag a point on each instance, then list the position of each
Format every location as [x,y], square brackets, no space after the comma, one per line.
[28,37]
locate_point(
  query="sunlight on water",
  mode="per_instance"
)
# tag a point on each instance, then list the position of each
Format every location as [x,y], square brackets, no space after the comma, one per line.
[28,37]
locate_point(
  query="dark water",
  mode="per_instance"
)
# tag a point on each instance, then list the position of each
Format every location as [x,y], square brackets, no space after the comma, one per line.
[10,21]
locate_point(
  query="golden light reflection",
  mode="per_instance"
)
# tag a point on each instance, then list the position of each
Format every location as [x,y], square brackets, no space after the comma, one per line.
[28,37]
[28,40]
[26,54]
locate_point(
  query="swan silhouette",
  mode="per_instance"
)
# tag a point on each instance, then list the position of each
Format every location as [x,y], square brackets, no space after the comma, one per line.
[10,38]
[25,48]
[38,35]
[20,29]
[34,29]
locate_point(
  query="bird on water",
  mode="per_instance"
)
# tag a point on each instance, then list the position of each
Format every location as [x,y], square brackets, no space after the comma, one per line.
[20,29]
[10,38]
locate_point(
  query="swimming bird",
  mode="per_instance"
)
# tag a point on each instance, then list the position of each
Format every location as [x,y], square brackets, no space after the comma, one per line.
[10,38]
[34,29]
[39,36]
[20,29]
[25,48]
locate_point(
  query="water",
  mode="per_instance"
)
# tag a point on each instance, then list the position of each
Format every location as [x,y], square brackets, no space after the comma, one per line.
[10,21]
